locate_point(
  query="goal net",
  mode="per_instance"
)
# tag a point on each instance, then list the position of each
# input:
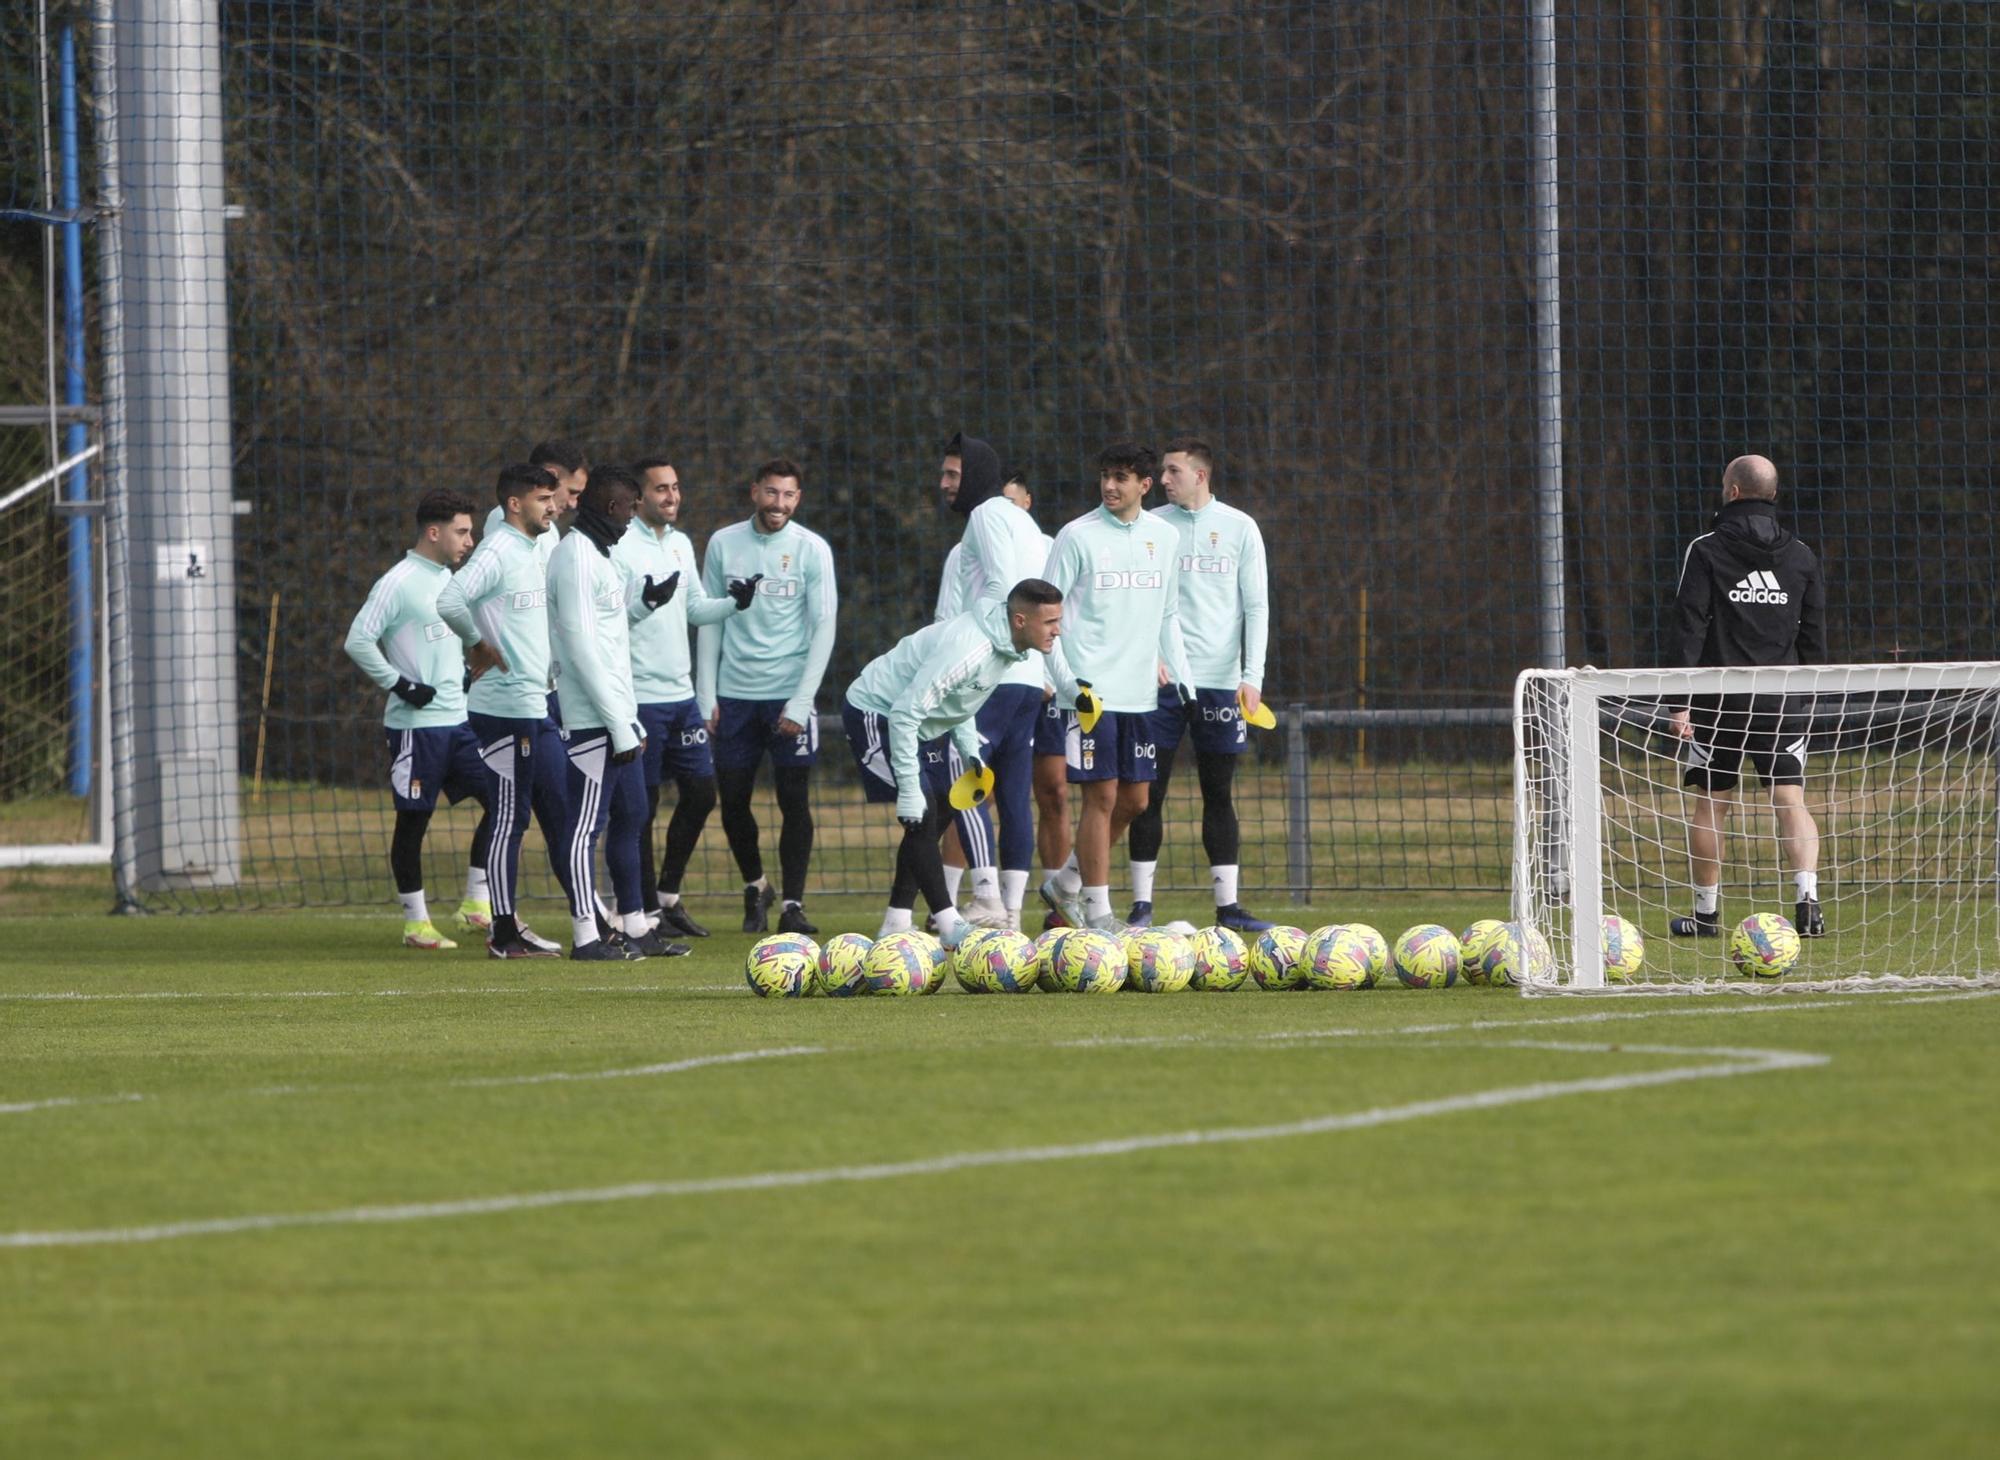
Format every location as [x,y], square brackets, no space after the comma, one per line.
[1888,767]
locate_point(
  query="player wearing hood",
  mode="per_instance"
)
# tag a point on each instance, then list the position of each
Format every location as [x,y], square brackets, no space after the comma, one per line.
[1750,593]
[904,708]
[1002,547]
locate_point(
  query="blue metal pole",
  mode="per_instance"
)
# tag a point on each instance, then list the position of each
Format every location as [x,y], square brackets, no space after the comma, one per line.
[82,594]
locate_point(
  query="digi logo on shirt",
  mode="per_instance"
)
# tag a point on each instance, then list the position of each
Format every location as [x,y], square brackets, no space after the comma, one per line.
[779,588]
[435,631]
[1198,563]
[531,598]
[1147,578]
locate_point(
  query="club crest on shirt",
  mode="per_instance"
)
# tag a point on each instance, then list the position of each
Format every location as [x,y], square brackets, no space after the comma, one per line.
[1149,549]
[784,562]
[1215,539]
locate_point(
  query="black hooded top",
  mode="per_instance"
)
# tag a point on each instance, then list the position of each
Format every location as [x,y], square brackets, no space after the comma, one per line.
[1750,593]
[979,476]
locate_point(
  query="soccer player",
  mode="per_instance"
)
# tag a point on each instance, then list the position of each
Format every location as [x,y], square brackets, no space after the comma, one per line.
[590,609]
[1225,622]
[1750,593]
[1121,619]
[904,707]
[756,675]
[1052,837]
[662,679]
[968,839]
[1002,547]
[497,604]
[400,642]
[565,462]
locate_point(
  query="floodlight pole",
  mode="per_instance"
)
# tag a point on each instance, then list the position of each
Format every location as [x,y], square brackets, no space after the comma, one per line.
[1545,247]
[169,530]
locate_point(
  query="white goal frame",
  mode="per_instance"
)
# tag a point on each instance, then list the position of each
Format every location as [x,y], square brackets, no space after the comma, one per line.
[1585,690]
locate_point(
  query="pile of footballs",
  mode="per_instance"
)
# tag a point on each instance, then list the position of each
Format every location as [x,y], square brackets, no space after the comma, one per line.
[1155,961]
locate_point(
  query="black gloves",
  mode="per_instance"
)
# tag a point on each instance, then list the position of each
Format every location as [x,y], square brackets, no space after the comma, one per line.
[1184,694]
[743,590]
[412,693]
[657,595]
[911,824]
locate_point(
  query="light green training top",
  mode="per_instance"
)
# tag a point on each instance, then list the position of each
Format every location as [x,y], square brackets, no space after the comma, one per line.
[662,666]
[1225,594]
[398,635]
[933,683]
[776,649]
[1121,608]
[501,595]
[589,617]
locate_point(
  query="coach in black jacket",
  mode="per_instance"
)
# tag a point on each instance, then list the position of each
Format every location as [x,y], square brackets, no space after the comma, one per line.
[1750,594]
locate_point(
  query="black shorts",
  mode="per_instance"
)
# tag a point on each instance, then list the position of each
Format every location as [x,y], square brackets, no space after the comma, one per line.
[1729,727]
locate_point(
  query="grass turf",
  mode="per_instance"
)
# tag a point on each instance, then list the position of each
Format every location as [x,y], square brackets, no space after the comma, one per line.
[1778,1263]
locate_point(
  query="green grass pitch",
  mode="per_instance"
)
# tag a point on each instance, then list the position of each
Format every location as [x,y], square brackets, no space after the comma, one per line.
[526,1209]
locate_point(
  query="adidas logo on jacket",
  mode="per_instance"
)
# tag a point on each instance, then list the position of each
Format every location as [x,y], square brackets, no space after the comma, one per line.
[1759,587]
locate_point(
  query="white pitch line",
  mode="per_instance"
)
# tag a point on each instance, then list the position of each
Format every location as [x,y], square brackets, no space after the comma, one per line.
[477,1082]
[1743,1062]
[1603,1016]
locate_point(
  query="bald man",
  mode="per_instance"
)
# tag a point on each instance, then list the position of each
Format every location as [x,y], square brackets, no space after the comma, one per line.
[1750,594]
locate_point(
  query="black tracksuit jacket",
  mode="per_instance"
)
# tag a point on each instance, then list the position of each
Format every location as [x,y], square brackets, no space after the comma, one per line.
[1750,593]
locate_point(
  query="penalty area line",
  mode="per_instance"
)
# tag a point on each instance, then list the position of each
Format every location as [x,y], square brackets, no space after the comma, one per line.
[1726,1065]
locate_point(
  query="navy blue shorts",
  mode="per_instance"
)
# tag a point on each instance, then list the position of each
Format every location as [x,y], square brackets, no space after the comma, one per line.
[868,737]
[676,743]
[435,759]
[749,728]
[1214,719]
[1052,729]
[1120,749]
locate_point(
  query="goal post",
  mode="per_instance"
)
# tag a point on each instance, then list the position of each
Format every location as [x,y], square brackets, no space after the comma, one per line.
[1896,768]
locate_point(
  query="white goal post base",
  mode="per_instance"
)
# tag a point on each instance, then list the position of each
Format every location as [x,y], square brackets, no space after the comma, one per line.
[1877,779]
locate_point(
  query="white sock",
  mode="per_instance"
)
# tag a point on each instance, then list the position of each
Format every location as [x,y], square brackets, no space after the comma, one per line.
[1096,903]
[1069,877]
[985,884]
[583,930]
[670,899]
[1142,880]
[1223,879]
[475,885]
[414,910]
[793,902]
[762,884]
[1013,890]
[1807,884]
[952,877]
[633,924]
[948,922]
[895,920]
[1707,899]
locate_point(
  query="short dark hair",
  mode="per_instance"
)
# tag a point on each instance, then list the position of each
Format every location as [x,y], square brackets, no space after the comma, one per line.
[650,463]
[1031,592]
[780,466]
[604,480]
[519,480]
[441,504]
[565,454]
[1124,455]
[1193,446]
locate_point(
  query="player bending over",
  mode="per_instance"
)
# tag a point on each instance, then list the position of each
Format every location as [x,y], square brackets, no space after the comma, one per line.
[662,678]
[591,606]
[497,604]
[905,707]
[1121,619]
[1225,621]
[756,675]
[400,642]
[1750,594]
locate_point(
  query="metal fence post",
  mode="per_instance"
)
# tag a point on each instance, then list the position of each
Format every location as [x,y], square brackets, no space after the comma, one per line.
[1298,805]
